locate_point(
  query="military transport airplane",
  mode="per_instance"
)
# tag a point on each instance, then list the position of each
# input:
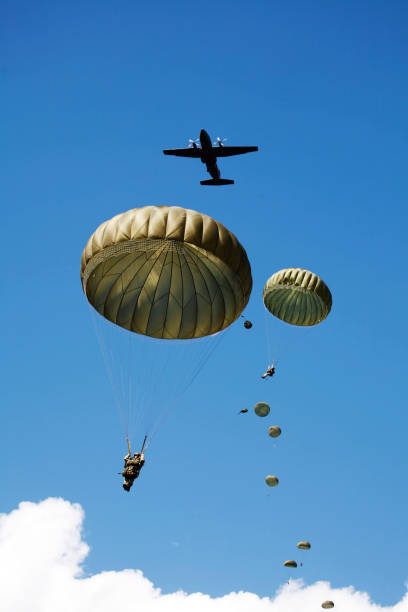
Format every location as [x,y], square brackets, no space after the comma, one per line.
[208,155]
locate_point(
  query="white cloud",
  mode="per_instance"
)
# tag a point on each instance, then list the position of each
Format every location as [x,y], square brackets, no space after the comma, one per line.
[41,552]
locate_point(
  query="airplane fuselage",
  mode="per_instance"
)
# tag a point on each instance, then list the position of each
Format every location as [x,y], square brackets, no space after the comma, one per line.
[208,156]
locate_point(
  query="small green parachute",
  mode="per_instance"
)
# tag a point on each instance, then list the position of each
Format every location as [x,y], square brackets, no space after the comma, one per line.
[272,481]
[297,296]
[274,431]
[290,563]
[262,409]
[327,605]
[304,545]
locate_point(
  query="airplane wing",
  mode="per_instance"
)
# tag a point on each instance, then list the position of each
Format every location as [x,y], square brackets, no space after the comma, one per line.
[190,152]
[227,151]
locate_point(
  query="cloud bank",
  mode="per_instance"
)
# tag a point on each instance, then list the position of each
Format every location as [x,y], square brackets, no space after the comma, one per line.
[41,553]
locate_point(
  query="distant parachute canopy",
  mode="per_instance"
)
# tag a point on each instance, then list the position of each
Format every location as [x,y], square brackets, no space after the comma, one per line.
[274,431]
[327,605]
[166,272]
[262,409]
[272,481]
[290,563]
[304,545]
[297,296]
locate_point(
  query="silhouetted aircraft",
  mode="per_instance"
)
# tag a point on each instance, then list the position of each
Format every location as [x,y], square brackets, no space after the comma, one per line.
[208,155]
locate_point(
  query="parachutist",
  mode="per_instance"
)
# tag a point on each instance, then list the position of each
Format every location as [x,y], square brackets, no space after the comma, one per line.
[243,411]
[133,465]
[270,371]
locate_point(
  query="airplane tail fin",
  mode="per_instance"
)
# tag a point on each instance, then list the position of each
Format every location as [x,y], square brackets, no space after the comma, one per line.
[218,181]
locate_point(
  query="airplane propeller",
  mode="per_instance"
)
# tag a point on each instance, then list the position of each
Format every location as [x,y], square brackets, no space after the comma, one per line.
[220,141]
[192,142]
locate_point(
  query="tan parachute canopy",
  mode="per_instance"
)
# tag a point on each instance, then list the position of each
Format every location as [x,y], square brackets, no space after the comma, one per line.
[274,431]
[262,409]
[297,296]
[304,545]
[166,272]
[290,563]
[327,605]
[272,481]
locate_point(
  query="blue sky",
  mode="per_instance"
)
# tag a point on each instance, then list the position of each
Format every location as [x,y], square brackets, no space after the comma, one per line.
[92,91]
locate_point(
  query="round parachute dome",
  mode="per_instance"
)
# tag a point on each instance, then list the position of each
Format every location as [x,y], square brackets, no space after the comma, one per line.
[274,431]
[290,563]
[304,545]
[297,296]
[247,324]
[166,272]
[272,481]
[262,409]
[327,605]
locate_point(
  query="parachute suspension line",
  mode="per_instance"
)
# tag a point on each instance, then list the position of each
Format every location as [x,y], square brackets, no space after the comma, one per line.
[108,367]
[268,339]
[122,384]
[143,408]
[120,366]
[206,356]
[180,354]
[290,342]
[135,397]
[129,380]
[182,357]
[157,357]
[129,448]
